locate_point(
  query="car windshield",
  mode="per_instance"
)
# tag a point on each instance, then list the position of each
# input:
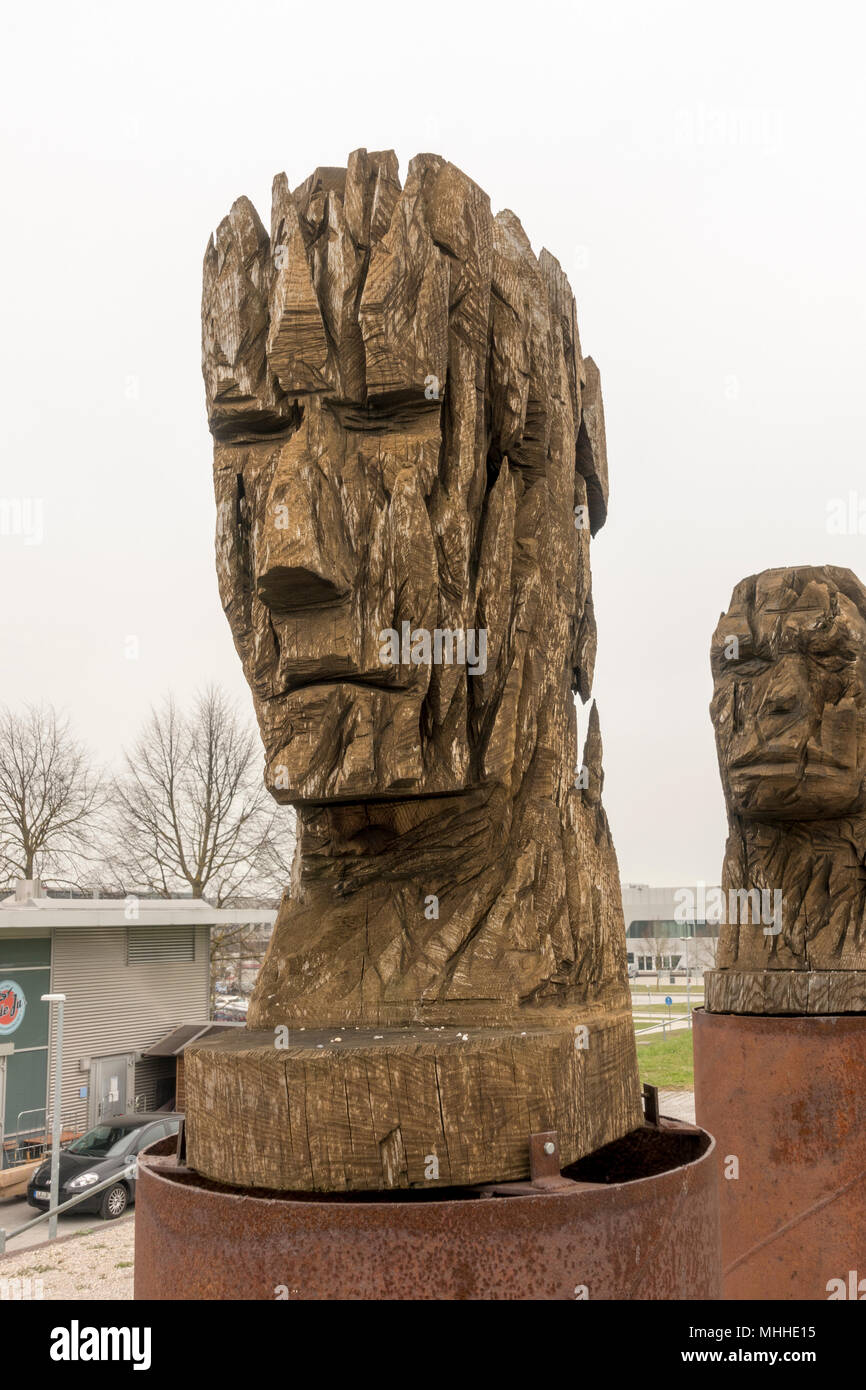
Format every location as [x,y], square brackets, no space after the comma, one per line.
[103,1141]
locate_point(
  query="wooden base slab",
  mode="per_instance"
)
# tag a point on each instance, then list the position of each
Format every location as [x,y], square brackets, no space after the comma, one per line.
[785,991]
[365,1110]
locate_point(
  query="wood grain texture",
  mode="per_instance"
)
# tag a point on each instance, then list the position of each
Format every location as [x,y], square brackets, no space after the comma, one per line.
[408,441]
[789,711]
[386,1112]
[785,991]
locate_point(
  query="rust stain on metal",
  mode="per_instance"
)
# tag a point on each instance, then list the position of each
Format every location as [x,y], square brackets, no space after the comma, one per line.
[651,1103]
[785,1098]
[637,1219]
[544,1159]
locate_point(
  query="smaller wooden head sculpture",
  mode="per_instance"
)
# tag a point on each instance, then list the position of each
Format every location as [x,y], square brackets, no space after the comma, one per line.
[789,712]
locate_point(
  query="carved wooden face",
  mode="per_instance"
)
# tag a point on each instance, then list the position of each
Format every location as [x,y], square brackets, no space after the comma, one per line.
[789,671]
[325,544]
[396,395]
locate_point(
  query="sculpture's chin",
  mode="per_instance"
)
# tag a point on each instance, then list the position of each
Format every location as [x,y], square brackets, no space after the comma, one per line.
[347,797]
[342,742]
[348,741]
[768,794]
[308,775]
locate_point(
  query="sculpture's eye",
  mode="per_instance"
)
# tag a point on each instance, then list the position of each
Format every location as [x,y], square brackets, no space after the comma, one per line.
[242,513]
[835,661]
[241,508]
[243,527]
[740,704]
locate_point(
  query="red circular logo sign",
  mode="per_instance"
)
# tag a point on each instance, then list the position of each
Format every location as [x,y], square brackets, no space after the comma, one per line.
[12,1006]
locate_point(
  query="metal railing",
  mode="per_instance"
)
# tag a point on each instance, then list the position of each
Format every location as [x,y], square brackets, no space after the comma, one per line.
[129,1173]
[137,1104]
[37,1110]
[27,1138]
[36,1136]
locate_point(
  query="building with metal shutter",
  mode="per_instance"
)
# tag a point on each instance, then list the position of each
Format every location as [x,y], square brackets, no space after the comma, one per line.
[131,969]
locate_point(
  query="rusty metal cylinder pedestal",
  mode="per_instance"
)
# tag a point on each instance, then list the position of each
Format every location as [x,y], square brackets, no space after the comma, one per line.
[785,1099]
[599,1237]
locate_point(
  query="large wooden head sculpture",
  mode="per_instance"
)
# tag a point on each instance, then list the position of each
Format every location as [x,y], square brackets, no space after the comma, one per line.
[409,463]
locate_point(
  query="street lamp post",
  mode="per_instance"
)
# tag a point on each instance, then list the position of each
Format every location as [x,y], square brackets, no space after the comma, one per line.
[688,980]
[59,1000]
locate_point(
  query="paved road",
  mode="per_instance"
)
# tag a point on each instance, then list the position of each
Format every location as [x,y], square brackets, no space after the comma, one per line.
[647,1024]
[646,1029]
[639,997]
[678,1105]
[15,1212]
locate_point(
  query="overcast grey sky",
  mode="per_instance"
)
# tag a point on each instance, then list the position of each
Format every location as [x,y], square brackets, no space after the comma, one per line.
[697,169]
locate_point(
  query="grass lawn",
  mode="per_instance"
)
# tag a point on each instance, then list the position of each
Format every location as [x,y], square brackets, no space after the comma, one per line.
[667,1062]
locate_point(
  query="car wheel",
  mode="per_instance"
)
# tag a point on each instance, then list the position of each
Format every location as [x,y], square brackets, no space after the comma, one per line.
[115,1200]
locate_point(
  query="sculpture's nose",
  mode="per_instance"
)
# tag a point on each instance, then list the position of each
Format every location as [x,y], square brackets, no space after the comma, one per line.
[303,559]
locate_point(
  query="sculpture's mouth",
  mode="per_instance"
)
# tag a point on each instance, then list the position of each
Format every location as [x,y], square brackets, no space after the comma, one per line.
[795,762]
[341,679]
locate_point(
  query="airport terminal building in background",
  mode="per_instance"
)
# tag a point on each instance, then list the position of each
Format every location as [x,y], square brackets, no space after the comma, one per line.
[662,935]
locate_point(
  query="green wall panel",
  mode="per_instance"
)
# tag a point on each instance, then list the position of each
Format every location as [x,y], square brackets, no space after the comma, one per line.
[26,1083]
[31,950]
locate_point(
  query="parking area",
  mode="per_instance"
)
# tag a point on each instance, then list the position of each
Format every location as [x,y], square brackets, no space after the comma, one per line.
[16,1211]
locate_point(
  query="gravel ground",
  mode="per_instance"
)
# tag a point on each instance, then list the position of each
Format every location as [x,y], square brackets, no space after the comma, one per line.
[82,1266]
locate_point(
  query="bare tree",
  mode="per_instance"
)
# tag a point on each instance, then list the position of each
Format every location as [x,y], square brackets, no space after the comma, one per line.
[50,796]
[191,812]
[710,945]
[234,944]
[661,947]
